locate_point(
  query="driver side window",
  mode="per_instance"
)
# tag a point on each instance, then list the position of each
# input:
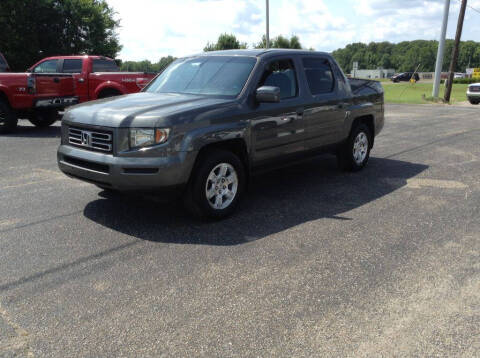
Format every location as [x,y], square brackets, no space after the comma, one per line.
[49,66]
[281,74]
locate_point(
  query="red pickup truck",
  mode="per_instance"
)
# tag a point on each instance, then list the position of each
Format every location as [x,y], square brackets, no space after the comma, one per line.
[58,82]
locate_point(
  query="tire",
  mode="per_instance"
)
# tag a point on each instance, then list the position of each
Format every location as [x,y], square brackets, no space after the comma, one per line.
[8,118]
[45,118]
[355,152]
[108,93]
[219,173]
[474,101]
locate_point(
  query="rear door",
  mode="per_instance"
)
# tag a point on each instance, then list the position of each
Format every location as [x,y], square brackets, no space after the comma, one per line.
[50,82]
[325,112]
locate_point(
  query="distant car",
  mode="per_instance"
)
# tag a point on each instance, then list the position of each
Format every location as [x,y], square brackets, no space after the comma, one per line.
[473,93]
[405,77]
[459,75]
[3,64]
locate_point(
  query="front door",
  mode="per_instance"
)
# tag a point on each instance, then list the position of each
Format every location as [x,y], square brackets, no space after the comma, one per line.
[80,77]
[278,128]
[50,82]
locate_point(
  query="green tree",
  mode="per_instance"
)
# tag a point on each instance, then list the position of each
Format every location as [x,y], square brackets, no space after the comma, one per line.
[225,42]
[146,65]
[280,42]
[406,55]
[31,30]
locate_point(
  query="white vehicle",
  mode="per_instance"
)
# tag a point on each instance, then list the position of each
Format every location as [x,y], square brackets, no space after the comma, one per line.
[459,75]
[473,93]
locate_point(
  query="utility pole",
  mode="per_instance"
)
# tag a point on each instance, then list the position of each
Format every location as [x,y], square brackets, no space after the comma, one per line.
[453,63]
[268,26]
[441,50]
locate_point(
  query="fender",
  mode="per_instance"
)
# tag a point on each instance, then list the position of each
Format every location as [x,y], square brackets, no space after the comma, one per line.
[109,85]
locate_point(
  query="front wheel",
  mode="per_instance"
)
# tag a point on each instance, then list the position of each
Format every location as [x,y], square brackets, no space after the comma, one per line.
[44,118]
[217,185]
[474,101]
[8,119]
[355,152]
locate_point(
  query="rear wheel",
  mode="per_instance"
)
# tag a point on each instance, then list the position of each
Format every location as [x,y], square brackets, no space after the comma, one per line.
[8,118]
[355,152]
[217,185]
[44,118]
[108,93]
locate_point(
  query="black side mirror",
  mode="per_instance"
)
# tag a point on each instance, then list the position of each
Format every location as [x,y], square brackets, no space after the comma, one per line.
[268,94]
[29,70]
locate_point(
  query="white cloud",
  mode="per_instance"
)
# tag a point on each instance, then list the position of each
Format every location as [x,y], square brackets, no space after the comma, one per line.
[155,28]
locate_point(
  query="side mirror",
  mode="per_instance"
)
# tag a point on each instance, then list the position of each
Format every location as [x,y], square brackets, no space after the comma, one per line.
[268,94]
[29,70]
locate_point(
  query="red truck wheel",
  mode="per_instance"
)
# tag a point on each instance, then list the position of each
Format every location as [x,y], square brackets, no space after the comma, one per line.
[8,118]
[44,119]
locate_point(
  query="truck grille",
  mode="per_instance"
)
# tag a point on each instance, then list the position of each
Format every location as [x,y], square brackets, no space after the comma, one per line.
[475,89]
[96,140]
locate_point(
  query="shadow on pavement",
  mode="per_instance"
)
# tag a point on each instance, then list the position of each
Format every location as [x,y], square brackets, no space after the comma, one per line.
[277,201]
[26,130]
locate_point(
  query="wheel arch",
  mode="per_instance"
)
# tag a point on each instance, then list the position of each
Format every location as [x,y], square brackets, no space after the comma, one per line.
[109,86]
[369,121]
[237,146]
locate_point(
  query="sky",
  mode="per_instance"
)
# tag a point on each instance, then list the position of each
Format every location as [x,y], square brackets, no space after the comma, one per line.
[151,29]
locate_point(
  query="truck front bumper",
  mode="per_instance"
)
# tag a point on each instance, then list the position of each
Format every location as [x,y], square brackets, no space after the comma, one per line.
[170,173]
[475,95]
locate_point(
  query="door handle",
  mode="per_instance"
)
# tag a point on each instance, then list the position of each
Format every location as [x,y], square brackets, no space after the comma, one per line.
[56,80]
[300,112]
[81,80]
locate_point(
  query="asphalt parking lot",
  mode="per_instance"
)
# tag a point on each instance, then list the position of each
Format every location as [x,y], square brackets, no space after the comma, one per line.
[316,262]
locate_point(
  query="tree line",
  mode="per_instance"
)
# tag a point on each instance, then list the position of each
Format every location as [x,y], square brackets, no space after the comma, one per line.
[406,56]
[224,42]
[32,30]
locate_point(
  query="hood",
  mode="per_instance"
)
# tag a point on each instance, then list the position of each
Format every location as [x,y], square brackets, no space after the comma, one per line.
[139,110]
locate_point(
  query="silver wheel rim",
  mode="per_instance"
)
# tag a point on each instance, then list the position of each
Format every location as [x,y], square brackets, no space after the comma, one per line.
[221,187]
[360,148]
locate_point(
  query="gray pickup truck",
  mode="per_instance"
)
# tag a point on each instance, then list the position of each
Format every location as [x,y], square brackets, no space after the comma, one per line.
[208,122]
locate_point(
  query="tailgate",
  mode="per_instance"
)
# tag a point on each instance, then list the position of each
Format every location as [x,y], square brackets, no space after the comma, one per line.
[54,89]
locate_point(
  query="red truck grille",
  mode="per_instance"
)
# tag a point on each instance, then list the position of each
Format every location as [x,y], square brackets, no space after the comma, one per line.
[100,141]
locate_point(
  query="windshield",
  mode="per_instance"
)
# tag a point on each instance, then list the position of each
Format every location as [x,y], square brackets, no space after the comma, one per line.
[206,75]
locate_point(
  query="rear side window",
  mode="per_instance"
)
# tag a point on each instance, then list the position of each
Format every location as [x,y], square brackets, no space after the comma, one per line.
[104,66]
[281,74]
[319,75]
[72,66]
[49,66]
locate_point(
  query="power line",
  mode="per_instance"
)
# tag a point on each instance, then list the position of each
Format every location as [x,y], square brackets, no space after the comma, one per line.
[470,7]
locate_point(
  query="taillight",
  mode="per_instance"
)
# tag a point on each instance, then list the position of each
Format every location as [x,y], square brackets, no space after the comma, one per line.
[31,84]
[142,82]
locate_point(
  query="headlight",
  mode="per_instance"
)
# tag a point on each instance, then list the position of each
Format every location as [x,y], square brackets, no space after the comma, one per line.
[141,137]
